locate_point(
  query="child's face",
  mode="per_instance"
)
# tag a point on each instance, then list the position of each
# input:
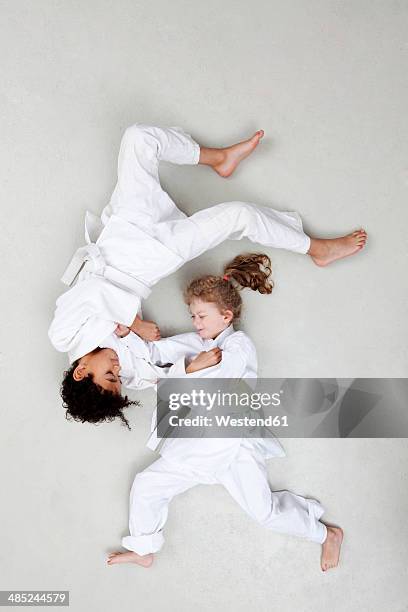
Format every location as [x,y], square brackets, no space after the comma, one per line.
[105,367]
[207,318]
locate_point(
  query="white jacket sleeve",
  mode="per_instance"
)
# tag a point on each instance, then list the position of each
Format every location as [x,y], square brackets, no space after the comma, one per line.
[87,313]
[171,350]
[238,360]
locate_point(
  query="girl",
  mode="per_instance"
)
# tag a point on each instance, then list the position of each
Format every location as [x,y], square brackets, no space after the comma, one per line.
[142,237]
[237,463]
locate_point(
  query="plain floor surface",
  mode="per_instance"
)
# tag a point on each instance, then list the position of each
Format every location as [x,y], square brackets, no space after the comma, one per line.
[326,80]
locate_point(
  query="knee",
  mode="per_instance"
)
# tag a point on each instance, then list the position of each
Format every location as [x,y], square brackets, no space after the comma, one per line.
[261,516]
[134,133]
[262,509]
[141,487]
[240,208]
[241,213]
[139,139]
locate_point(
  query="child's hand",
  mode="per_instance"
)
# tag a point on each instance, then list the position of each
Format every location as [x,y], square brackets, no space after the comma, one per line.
[204,360]
[121,330]
[148,330]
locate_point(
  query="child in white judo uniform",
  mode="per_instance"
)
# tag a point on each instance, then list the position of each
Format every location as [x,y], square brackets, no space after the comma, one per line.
[236,463]
[142,237]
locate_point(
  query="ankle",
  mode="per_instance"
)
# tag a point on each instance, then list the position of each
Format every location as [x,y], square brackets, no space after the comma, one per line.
[211,157]
[318,247]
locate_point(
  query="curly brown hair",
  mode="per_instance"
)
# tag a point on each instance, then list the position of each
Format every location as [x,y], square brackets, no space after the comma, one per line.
[86,401]
[251,270]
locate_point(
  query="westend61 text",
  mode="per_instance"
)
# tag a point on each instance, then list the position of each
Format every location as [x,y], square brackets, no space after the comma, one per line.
[228,421]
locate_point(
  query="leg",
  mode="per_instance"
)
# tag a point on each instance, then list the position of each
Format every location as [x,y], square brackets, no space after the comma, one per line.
[206,229]
[138,195]
[190,237]
[150,496]
[322,251]
[247,481]
[281,511]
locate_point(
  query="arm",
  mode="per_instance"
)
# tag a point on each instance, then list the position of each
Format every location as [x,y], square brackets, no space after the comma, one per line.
[231,364]
[172,349]
[148,330]
[233,361]
[88,312]
[204,360]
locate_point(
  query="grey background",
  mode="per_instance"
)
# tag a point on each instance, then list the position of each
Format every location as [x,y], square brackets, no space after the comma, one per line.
[327,83]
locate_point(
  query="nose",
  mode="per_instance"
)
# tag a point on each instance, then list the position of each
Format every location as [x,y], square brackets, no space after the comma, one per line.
[116,369]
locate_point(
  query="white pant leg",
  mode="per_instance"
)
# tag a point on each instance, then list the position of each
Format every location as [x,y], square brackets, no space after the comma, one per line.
[247,481]
[138,196]
[151,493]
[207,228]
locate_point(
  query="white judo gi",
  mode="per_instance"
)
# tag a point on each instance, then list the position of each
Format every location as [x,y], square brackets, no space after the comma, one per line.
[142,237]
[143,363]
[236,463]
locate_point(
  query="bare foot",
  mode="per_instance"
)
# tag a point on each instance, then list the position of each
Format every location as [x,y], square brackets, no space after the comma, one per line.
[331,548]
[236,153]
[325,251]
[130,557]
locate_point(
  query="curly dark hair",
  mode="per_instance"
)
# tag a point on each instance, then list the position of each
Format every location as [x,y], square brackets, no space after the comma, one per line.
[86,401]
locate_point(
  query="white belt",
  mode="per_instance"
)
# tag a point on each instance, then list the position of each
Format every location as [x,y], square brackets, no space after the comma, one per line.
[90,259]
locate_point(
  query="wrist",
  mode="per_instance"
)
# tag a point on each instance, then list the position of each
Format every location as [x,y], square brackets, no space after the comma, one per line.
[136,325]
[190,368]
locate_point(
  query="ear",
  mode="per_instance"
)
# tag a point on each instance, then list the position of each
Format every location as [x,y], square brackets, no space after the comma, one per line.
[228,316]
[79,373]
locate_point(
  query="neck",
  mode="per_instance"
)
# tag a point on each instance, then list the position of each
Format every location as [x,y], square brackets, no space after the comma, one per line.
[220,332]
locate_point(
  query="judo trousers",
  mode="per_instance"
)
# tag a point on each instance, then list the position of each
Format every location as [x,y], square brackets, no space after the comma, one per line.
[245,479]
[139,199]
